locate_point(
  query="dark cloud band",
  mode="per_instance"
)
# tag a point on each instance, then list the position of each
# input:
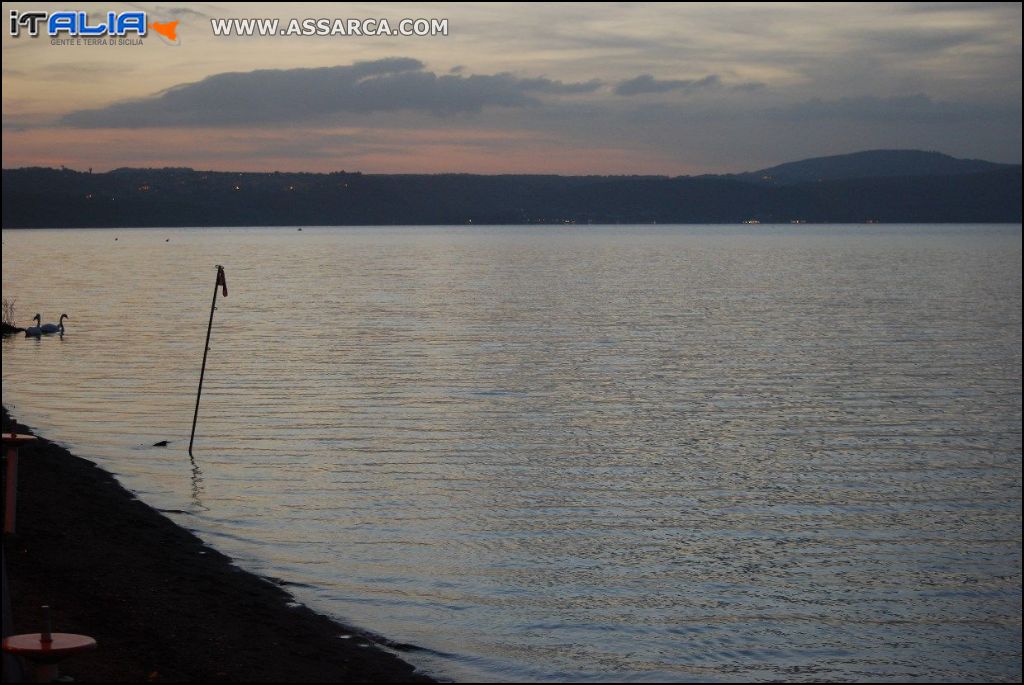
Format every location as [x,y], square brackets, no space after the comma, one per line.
[288,95]
[646,83]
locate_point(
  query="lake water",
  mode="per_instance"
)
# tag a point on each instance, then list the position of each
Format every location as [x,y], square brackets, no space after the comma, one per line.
[594,453]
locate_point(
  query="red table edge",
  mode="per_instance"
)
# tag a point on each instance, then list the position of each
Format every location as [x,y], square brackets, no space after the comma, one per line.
[17,438]
[64,644]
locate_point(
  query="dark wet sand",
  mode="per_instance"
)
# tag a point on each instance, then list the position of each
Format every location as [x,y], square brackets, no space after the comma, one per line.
[162,605]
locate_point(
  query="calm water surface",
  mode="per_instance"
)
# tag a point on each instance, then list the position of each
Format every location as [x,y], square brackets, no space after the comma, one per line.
[637,453]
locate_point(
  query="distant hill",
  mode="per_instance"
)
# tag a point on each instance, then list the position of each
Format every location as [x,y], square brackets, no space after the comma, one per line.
[869,164]
[48,198]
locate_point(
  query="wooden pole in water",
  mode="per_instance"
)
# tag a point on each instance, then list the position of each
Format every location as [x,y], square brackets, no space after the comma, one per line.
[221,283]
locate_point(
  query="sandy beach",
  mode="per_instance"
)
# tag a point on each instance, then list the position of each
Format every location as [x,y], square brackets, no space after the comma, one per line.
[162,605]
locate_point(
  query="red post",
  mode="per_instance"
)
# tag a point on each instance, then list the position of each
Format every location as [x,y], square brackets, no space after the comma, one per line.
[11,441]
[11,492]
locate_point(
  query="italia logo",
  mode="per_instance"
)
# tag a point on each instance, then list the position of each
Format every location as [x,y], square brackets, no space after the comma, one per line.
[81,25]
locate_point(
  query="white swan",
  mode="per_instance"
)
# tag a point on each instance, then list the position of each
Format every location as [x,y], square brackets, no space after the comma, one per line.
[54,327]
[34,331]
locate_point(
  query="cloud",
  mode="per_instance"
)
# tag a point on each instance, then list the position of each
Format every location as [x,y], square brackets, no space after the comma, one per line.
[543,85]
[159,12]
[296,95]
[905,108]
[181,12]
[15,125]
[645,83]
[915,41]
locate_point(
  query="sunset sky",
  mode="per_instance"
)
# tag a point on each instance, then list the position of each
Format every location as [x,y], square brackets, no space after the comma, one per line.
[555,88]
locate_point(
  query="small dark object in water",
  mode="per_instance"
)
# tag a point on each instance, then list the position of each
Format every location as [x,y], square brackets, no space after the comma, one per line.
[162,443]
[168,240]
[300,228]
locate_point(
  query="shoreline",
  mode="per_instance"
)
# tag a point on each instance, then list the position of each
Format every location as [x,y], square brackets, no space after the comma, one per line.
[162,604]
